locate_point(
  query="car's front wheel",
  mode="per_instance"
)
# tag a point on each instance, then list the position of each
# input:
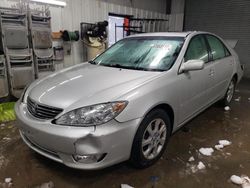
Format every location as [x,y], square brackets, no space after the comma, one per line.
[151,139]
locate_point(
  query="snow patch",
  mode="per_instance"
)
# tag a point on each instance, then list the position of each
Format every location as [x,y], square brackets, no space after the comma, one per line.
[244,181]
[206,151]
[6,138]
[238,99]
[219,147]
[7,180]
[227,108]
[201,166]
[236,180]
[191,159]
[225,142]
[126,186]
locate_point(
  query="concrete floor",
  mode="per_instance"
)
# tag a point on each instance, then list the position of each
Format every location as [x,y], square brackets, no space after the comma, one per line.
[28,169]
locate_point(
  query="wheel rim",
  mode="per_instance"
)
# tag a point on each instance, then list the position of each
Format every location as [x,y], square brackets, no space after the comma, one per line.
[154,138]
[230,91]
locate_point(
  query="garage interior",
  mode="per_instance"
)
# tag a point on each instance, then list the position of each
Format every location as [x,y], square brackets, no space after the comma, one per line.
[39,38]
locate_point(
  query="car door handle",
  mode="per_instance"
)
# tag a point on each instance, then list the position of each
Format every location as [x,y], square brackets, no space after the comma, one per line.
[231,62]
[211,72]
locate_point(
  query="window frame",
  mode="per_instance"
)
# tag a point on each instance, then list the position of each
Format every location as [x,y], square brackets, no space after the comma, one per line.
[206,44]
[226,50]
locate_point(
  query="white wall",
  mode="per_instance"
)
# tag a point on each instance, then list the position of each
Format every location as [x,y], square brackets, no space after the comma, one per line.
[76,11]
[152,5]
[92,11]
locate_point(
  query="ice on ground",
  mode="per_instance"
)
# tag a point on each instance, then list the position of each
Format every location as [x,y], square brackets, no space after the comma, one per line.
[126,186]
[6,138]
[219,146]
[191,159]
[236,180]
[244,181]
[225,142]
[7,180]
[237,99]
[49,184]
[227,108]
[201,166]
[206,151]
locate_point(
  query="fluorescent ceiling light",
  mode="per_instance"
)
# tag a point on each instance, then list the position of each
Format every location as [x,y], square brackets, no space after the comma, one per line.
[51,2]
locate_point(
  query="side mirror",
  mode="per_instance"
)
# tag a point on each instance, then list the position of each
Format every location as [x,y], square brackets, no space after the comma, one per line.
[192,65]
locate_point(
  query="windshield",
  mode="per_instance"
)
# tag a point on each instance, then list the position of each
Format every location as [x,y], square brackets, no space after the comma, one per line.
[142,53]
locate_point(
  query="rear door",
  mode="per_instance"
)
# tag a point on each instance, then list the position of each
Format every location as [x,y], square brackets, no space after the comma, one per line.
[223,66]
[195,84]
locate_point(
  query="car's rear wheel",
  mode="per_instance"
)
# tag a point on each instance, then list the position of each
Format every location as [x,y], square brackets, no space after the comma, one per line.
[151,139]
[230,93]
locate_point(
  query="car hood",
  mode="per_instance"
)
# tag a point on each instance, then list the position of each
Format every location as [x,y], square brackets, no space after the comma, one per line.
[87,84]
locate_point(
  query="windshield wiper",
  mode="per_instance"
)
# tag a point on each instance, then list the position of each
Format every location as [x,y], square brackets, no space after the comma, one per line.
[116,65]
[92,62]
[132,67]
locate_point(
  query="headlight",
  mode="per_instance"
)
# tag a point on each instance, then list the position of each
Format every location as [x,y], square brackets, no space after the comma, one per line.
[92,115]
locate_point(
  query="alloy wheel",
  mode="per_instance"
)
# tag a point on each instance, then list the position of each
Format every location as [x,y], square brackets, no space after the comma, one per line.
[154,138]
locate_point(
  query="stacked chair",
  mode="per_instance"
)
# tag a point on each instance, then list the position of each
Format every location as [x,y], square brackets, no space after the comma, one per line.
[17,52]
[41,41]
[4,90]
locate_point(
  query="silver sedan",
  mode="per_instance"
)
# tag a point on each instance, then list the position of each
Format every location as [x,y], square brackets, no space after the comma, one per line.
[126,103]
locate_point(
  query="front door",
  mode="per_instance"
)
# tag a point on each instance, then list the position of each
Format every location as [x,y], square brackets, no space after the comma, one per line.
[193,85]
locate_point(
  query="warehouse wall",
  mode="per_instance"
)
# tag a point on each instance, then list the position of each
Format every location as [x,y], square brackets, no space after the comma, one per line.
[92,11]
[76,11]
[152,5]
[228,18]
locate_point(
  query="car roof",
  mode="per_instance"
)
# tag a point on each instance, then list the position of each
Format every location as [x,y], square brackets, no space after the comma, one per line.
[166,34]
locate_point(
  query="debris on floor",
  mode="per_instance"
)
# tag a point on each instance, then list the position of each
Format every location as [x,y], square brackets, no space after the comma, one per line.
[7,183]
[227,108]
[225,142]
[206,151]
[201,166]
[244,181]
[221,144]
[126,186]
[191,159]
[237,99]
[49,184]
[7,180]
[193,168]
[218,147]
[236,180]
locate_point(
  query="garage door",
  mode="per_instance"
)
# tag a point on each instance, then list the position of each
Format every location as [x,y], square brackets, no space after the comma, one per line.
[230,19]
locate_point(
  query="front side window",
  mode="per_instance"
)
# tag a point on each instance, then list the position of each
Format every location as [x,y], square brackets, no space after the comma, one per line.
[197,49]
[142,53]
[218,49]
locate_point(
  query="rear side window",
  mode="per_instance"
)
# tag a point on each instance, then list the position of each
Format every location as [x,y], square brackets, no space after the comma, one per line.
[197,49]
[218,49]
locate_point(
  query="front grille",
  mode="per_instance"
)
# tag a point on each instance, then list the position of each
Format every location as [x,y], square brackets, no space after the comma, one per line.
[42,111]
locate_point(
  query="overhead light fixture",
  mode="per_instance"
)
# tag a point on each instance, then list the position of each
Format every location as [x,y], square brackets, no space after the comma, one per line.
[51,2]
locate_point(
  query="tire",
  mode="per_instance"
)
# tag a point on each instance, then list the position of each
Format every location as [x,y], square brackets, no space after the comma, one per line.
[154,142]
[230,93]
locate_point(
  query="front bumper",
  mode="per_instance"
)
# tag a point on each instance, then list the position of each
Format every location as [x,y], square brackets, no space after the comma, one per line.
[113,140]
